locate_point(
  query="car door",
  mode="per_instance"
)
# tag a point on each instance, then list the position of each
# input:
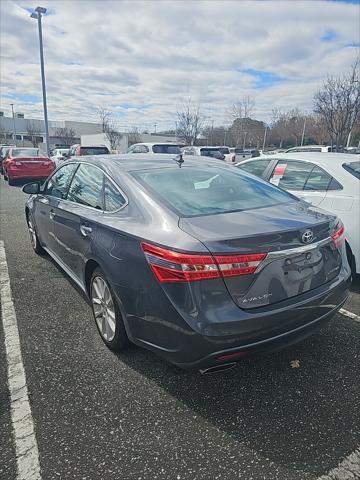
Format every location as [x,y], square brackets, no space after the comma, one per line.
[46,203]
[76,217]
[304,179]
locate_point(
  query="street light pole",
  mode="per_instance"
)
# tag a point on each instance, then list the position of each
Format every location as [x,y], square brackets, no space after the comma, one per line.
[39,11]
[14,125]
[264,141]
[303,133]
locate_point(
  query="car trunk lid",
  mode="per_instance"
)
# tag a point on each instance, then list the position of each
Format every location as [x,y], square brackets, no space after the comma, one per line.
[292,266]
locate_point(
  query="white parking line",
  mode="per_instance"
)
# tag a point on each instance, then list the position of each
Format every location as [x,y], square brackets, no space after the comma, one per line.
[27,454]
[348,469]
[350,314]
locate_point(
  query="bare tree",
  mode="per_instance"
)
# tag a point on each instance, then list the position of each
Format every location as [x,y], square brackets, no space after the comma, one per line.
[189,122]
[34,131]
[240,110]
[134,136]
[66,135]
[338,104]
[110,129]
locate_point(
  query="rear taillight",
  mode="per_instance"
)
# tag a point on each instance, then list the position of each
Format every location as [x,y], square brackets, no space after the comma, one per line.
[169,266]
[339,236]
[233,265]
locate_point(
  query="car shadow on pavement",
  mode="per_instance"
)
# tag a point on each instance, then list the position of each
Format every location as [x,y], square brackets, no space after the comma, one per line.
[303,418]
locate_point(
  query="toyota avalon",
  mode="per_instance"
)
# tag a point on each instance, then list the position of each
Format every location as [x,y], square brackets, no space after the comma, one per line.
[190,258]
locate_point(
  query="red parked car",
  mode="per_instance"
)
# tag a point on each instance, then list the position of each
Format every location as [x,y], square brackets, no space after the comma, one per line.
[26,163]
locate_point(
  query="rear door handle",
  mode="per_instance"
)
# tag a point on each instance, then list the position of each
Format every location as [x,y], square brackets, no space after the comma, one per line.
[85,230]
[52,214]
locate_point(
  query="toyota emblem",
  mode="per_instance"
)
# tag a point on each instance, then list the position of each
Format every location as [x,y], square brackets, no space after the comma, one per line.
[307,236]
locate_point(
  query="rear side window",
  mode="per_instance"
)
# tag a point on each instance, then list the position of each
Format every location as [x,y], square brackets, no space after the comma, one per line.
[114,200]
[86,187]
[257,167]
[94,151]
[192,191]
[166,149]
[318,180]
[57,185]
[353,168]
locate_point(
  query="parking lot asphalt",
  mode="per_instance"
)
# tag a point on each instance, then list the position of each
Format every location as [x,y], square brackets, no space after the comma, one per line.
[98,415]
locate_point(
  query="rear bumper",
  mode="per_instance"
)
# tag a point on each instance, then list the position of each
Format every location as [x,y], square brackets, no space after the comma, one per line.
[23,175]
[261,347]
[246,333]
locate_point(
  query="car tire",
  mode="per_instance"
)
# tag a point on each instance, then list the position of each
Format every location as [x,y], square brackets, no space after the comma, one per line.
[351,260]
[11,182]
[5,176]
[107,315]
[34,239]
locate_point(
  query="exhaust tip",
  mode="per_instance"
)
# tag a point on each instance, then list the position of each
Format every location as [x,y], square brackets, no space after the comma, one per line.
[217,368]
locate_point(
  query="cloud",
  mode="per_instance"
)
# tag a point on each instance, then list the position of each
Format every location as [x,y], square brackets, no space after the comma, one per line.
[141,59]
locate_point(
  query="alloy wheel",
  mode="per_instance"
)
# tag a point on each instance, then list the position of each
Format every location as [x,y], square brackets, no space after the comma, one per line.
[104,310]
[32,233]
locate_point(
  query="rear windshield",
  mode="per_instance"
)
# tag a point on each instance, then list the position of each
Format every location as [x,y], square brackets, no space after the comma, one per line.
[94,151]
[164,148]
[224,150]
[192,191]
[209,152]
[26,152]
[353,168]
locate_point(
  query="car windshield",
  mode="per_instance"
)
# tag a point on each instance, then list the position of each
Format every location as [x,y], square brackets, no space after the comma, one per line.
[94,151]
[164,148]
[26,152]
[192,191]
[353,168]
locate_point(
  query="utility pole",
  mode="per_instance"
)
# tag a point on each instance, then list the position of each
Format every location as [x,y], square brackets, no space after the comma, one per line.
[155,127]
[264,142]
[14,125]
[303,133]
[39,11]
[212,131]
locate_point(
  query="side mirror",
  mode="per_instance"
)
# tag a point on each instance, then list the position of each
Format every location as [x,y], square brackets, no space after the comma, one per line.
[32,188]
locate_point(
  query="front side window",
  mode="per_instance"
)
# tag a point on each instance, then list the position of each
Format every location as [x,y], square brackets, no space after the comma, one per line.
[86,187]
[193,191]
[57,185]
[257,167]
[114,200]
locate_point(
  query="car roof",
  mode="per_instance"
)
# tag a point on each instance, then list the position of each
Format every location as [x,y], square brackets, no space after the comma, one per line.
[133,161]
[320,158]
[148,144]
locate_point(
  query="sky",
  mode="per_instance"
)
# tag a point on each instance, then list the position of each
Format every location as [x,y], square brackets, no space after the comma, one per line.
[143,60]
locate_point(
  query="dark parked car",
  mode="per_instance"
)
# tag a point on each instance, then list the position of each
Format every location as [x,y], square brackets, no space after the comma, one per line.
[82,150]
[193,259]
[3,152]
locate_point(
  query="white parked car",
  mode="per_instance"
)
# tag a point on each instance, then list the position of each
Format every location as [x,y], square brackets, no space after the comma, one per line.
[310,148]
[169,148]
[59,155]
[328,180]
